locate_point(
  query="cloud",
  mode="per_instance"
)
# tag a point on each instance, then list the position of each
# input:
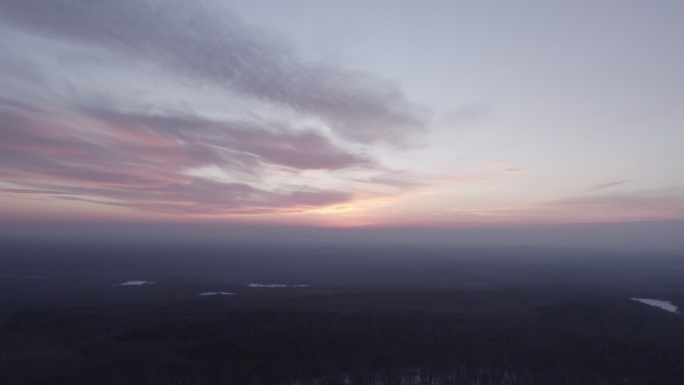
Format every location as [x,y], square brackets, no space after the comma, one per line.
[399,179]
[215,198]
[140,162]
[648,205]
[638,205]
[607,185]
[276,143]
[514,169]
[183,108]
[200,41]
[29,191]
[506,167]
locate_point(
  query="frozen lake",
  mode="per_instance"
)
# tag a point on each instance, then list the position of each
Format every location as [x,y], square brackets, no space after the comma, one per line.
[274,285]
[665,305]
[215,293]
[136,283]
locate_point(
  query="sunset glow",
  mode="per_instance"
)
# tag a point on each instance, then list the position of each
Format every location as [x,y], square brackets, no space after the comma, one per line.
[450,115]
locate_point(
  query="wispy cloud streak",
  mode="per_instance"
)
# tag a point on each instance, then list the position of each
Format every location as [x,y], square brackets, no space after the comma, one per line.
[607,185]
[190,39]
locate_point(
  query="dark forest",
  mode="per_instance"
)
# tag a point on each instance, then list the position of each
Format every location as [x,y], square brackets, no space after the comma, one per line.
[346,315]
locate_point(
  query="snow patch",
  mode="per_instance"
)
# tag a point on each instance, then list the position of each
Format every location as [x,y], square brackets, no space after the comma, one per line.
[215,293]
[665,305]
[135,283]
[274,285]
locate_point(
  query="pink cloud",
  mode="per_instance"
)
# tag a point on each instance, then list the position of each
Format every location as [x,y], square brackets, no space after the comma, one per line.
[144,167]
[78,142]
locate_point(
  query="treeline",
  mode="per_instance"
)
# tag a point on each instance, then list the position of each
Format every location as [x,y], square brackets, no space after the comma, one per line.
[570,343]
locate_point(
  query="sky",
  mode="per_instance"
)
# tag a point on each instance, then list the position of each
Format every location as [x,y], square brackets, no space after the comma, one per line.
[356,115]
